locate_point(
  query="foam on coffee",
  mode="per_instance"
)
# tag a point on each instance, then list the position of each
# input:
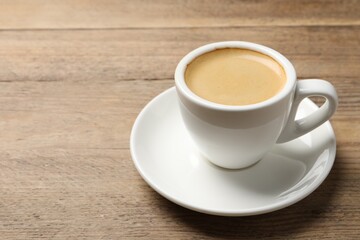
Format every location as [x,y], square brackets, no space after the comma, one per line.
[234,76]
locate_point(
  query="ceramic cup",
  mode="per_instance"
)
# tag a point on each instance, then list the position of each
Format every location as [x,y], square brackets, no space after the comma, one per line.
[239,136]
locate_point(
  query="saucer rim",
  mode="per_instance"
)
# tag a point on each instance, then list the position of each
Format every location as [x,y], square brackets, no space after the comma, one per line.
[231,213]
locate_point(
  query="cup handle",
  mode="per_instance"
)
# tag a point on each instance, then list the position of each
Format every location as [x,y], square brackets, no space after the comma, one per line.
[306,88]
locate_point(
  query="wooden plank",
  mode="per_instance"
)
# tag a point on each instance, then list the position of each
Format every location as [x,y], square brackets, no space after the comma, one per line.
[97,194]
[115,55]
[42,14]
[92,115]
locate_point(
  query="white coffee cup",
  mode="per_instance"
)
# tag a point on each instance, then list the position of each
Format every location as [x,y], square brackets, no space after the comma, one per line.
[239,136]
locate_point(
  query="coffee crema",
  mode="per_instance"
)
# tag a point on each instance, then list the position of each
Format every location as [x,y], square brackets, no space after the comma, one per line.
[235,76]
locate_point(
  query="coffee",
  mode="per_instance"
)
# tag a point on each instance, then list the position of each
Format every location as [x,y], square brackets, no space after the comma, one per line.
[234,76]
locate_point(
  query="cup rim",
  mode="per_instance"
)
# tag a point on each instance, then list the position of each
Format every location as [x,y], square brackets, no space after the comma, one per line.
[282,60]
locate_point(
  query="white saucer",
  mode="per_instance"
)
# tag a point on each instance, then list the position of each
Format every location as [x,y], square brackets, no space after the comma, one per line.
[166,158]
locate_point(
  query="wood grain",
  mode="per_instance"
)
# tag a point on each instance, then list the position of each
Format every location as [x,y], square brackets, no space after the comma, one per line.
[42,14]
[104,55]
[74,76]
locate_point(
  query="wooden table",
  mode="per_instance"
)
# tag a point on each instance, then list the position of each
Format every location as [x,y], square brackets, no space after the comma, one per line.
[75,74]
